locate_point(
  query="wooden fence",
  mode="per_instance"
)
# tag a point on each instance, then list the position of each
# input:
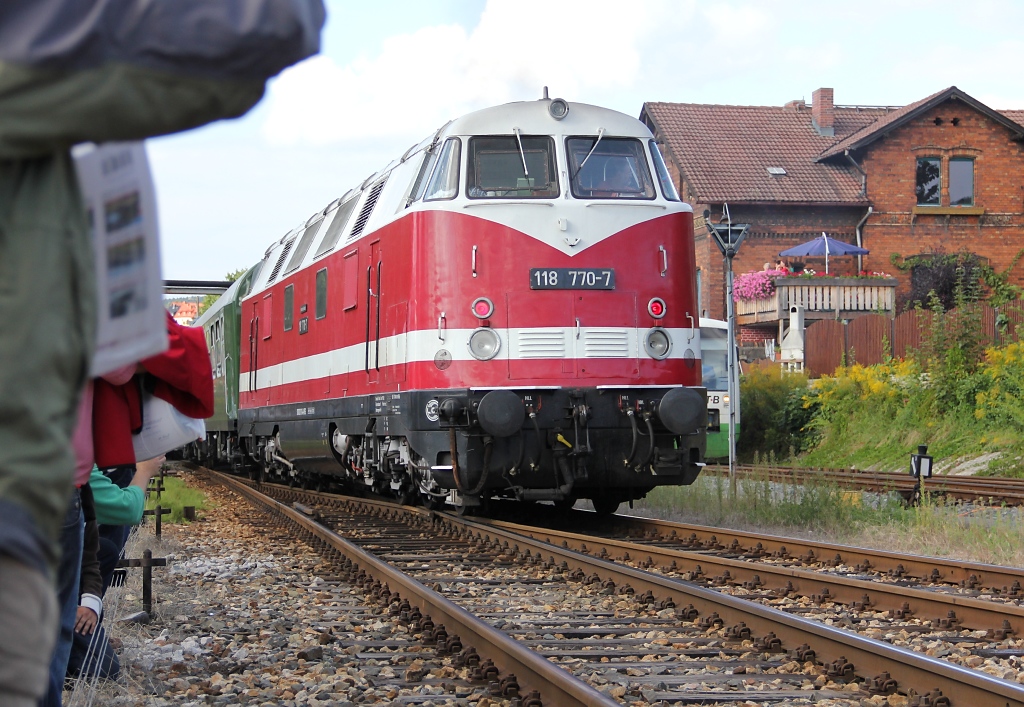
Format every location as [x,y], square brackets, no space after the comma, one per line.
[866,340]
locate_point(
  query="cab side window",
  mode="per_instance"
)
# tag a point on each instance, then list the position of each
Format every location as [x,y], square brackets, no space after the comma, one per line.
[444,182]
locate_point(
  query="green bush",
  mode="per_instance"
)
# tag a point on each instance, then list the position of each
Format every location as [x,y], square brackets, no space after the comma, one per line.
[773,418]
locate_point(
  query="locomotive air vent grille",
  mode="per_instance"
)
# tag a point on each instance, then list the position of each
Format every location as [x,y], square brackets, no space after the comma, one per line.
[541,343]
[280,261]
[606,343]
[364,213]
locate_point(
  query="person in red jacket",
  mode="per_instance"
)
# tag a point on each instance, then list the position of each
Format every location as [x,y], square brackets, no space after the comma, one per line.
[181,375]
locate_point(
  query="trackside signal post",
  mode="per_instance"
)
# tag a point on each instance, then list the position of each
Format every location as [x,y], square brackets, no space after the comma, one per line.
[920,469]
[728,237]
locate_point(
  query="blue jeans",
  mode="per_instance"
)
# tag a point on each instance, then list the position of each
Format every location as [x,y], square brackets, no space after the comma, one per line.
[69,573]
[113,537]
[93,656]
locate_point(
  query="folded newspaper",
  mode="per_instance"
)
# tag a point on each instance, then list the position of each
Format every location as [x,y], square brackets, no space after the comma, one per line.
[120,203]
[164,429]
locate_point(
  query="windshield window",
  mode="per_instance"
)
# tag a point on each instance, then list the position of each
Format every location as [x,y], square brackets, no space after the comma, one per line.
[615,169]
[444,182]
[667,187]
[495,168]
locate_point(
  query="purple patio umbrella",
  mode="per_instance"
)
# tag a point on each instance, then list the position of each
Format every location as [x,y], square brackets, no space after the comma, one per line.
[824,246]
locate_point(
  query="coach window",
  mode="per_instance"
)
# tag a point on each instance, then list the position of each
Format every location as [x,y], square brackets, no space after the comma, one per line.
[321,293]
[929,182]
[608,168]
[511,167]
[667,187]
[961,181]
[444,182]
[289,307]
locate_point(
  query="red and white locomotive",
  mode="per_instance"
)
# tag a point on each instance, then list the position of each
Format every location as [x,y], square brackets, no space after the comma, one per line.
[508,310]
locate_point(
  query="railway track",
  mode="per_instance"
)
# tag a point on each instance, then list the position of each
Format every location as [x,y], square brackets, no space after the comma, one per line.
[564,627]
[981,489]
[960,576]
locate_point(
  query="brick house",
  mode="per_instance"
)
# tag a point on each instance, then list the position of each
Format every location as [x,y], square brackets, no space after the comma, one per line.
[943,174]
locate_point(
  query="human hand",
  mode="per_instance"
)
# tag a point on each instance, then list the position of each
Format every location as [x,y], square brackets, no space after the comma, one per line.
[150,466]
[86,620]
[144,471]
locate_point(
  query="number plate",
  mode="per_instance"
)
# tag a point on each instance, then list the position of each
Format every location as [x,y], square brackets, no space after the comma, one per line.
[572,278]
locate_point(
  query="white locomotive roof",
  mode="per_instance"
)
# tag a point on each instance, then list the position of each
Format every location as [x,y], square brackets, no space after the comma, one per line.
[533,118]
[530,118]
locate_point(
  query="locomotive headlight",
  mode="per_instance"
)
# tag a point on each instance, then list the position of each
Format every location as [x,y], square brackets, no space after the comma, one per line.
[558,109]
[658,343]
[484,344]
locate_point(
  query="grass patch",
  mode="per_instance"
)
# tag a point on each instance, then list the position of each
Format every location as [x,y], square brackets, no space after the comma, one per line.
[814,507]
[824,511]
[176,495]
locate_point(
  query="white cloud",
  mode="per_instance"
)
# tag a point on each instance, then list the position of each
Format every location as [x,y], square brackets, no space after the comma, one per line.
[420,80]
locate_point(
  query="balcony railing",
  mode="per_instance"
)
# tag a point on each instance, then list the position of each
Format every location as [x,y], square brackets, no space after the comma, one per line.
[821,298]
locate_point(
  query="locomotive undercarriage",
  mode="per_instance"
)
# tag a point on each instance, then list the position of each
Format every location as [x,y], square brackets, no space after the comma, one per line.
[464,447]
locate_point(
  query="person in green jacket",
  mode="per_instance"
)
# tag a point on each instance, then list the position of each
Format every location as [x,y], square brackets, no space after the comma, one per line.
[122,506]
[76,71]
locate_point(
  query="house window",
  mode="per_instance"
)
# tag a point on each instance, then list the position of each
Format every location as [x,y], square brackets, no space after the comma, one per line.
[289,306]
[928,181]
[961,182]
[321,293]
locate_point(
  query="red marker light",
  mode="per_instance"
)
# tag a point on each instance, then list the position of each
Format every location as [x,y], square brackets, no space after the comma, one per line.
[482,308]
[656,308]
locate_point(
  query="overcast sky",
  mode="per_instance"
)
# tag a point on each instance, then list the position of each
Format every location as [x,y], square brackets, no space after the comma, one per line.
[392,72]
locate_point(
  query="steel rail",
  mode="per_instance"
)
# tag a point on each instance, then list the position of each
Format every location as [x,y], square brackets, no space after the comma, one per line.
[948,611]
[557,687]
[969,488]
[913,671]
[937,569]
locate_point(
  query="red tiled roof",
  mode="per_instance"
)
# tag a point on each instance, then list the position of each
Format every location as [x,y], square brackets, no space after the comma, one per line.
[877,126]
[893,120]
[724,152]
[1016,116]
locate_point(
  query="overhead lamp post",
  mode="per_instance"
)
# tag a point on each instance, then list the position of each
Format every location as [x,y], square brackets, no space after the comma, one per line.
[728,236]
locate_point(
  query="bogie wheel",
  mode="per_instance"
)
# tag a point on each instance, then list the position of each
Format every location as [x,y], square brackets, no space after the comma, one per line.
[566,504]
[605,505]
[257,472]
[431,503]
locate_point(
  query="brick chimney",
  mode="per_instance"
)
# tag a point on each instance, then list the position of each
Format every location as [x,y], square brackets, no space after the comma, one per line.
[823,115]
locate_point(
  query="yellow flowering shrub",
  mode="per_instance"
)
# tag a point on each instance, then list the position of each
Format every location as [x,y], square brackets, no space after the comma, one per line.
[883,384]
[1003,371]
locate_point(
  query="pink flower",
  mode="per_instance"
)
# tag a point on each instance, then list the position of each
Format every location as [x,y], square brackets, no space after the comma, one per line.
[755,285]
